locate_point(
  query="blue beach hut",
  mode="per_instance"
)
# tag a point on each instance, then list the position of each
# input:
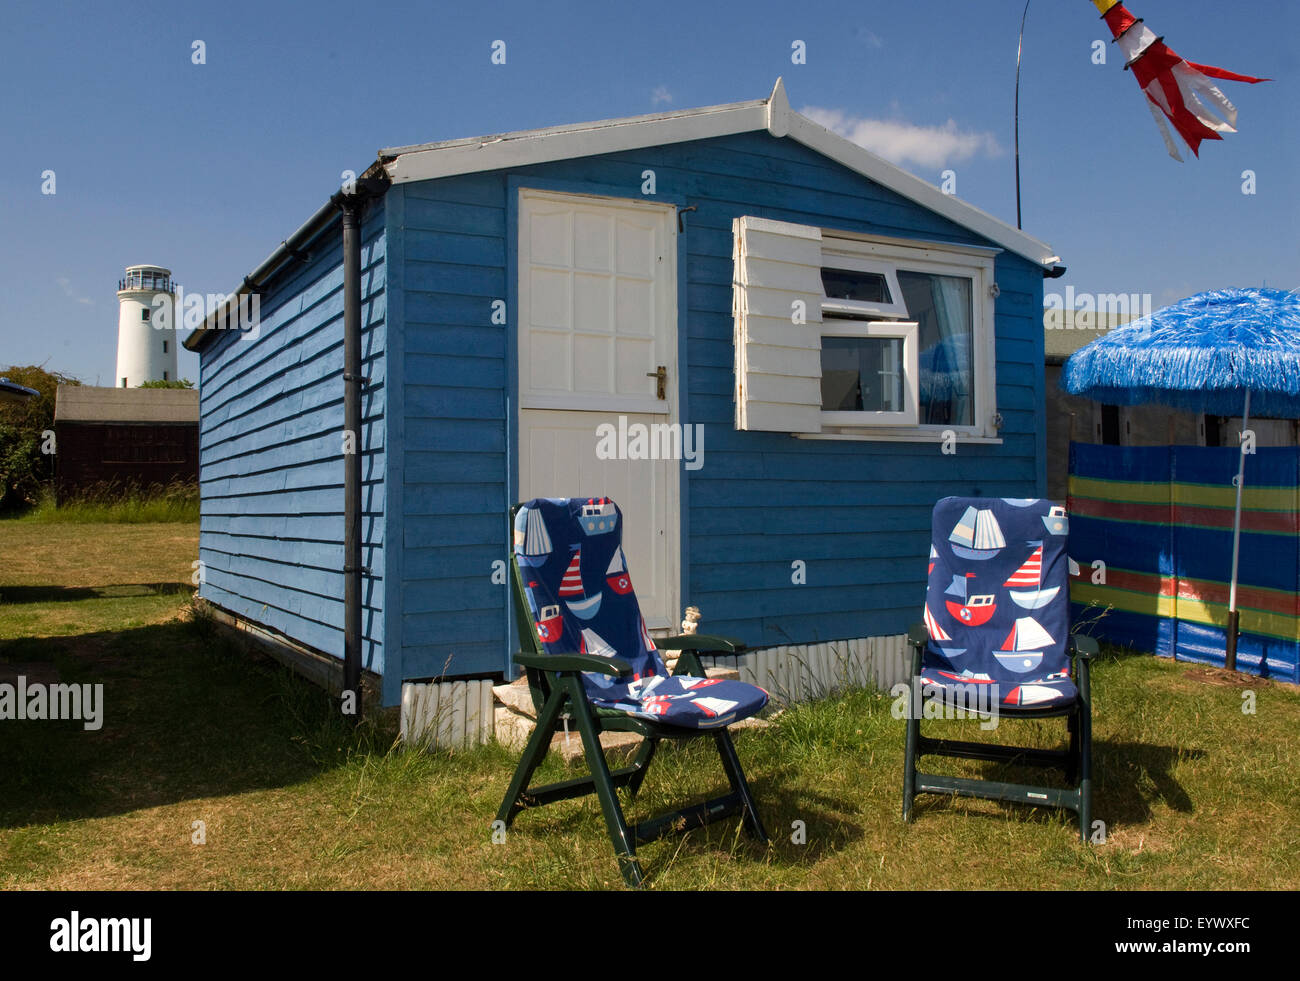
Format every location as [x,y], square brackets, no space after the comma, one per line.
[714,316]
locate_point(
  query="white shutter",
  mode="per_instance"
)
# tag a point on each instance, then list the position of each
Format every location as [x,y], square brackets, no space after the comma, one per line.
[778,362]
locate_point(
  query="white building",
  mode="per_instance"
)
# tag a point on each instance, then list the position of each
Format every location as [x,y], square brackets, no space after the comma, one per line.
[144,352]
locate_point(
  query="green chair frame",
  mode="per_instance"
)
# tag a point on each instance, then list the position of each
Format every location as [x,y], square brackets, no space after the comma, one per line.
[555,682]
[1075,761]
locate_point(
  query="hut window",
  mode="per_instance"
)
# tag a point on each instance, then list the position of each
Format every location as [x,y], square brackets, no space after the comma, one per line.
[939,295]
[858,287]
[868,372]
[846,284]
[849,336]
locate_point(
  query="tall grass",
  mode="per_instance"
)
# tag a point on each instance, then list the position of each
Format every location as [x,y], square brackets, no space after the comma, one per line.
[120,504]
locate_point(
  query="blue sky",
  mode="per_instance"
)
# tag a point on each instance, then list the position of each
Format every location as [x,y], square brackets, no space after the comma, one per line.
[206,168]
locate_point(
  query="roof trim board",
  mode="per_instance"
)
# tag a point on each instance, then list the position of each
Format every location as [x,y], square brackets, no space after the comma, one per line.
[433,160]
[429,161]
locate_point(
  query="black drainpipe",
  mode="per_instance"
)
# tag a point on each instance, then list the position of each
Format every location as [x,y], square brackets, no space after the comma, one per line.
[353,380]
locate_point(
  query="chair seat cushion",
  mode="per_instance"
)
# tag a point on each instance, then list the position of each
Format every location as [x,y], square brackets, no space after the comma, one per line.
[1055,691]
[682,701]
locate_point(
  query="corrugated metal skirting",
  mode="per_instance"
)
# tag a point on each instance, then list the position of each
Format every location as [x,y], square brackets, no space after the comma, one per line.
[459,714]
[447,715]
[801,672]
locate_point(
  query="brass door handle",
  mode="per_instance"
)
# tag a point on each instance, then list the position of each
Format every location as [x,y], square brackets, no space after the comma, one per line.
[661,378]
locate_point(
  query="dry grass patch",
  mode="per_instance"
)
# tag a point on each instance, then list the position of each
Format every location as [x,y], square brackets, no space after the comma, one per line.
[108,557]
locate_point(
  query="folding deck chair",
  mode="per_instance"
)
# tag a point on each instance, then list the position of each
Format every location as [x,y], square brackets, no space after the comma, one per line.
[996,639]
[589,658]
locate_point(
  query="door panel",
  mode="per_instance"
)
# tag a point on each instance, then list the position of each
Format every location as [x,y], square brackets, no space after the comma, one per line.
[597,318]
[557,458]
[597,303]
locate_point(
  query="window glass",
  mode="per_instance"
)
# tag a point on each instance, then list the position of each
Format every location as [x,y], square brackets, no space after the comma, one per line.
[862,374]
[941,306]
[848,284]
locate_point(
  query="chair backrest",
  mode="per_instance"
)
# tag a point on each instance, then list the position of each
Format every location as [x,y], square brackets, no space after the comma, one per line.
[998,602]
[573,591]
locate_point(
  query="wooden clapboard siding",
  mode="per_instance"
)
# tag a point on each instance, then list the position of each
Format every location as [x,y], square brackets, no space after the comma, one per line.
[452,525]
[857,513]
[271,463]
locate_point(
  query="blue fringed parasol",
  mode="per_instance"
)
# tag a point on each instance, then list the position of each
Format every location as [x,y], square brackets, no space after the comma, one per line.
[1202,354]
[1214,352]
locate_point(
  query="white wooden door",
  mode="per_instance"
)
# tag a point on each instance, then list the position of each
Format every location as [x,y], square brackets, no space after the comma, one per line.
[597,319]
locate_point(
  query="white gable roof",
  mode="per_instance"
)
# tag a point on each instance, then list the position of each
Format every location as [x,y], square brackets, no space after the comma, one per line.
[773,114]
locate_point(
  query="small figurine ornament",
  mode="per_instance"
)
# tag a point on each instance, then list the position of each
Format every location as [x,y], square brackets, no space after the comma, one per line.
[691,622]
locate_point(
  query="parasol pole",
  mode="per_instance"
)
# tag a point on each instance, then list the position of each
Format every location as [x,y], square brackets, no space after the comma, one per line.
[1230,652]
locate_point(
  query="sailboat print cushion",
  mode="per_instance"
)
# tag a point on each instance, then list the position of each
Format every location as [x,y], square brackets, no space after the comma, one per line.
[569,552]
[998,604]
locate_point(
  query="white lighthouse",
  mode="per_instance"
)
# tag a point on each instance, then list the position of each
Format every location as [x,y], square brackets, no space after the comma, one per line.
[144,353]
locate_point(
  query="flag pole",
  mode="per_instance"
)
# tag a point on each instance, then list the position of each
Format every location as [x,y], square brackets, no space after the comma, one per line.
[1019,46]
[1234,618]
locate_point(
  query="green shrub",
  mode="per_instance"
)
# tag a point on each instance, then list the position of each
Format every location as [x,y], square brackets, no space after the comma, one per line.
[172,383]
[25,471]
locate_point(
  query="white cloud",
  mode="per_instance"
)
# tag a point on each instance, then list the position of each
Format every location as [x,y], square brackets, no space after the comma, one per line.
[901,142]
[661,95]
[66,285]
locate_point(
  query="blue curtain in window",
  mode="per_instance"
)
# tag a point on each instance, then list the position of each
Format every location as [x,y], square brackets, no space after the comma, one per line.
[945,366]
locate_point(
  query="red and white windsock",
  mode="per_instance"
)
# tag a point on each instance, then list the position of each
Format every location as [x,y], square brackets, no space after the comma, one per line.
[1179,89]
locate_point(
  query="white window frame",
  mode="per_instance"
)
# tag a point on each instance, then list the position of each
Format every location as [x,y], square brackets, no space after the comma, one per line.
[904,330]
[838,258]
[878,254]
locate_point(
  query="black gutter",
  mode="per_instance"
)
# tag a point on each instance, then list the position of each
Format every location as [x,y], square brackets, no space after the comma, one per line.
[352,381]
[353,571]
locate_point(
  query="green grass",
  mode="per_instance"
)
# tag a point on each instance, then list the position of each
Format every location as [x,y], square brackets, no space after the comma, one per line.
[1194,793]
[178,502]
